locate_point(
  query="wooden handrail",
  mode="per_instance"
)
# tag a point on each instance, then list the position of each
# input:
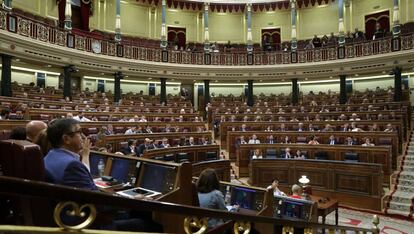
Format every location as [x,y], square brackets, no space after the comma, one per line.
[34,189]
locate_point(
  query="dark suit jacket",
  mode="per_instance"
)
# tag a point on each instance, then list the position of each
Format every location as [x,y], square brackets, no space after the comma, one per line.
[329,142]
[65,169]
[268,141]
[126,150]
[284,156]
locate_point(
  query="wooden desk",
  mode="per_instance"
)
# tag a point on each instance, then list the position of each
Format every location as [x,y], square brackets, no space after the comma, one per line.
[352,184]
[366,154]
[326,207]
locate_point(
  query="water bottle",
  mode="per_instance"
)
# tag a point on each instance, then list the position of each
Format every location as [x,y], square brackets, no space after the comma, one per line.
[227,197]
[101,167]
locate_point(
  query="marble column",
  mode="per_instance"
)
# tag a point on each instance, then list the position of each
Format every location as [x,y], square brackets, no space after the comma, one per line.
[68,15]
[118,22]
[164,42]
[293,42]
[6,89]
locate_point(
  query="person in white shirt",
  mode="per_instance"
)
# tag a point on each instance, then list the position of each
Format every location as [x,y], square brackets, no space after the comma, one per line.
[81,118]
[275,187]
[135,119]
[130,130]
[389,128]
[257,154]
[368,142]
[354,128]
[254,140]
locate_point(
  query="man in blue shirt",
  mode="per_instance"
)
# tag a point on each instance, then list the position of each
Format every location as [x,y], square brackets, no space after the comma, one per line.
[63,164]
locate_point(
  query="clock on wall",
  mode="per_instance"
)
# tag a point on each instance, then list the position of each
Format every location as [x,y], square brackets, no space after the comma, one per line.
[96,47]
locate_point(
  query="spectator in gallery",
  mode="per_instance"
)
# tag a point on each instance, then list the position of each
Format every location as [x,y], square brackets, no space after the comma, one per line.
[311,128]
[313,140]
[271,140]
[282,128]
[269,129]
[257,153]
[350,141]
[354,128]
[316,41]
[287,153]
[130,130]
[286,140]
[374,128]
[243,128]
[359,35]
[332,140]
[241,141]
[368,142]
[299,154]
[254,140]
[81,117]
[130,148]
[309,46]
[389,128]
[300,127]
[275,188]
[379,32]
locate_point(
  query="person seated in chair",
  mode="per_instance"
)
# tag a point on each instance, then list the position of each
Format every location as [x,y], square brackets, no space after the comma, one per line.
[257,153]
[147,145]
[130,148]
[33,128]
[254,140]
[209,194]
[332,140]
[275,187]
[299,155]
[368,142]
[296,192]
[313,141]
[287,153]
[271,140]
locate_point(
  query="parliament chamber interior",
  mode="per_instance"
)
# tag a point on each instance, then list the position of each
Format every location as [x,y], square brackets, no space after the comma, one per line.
[206,116]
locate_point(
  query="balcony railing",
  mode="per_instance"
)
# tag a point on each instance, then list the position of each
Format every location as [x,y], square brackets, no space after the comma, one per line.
[84,41]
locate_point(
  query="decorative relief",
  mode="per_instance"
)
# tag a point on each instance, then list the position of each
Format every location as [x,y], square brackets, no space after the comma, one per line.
[80,42]
[42,33]
[257,59]
[142,54]
[286,58]
[111,49]
[317,55]
[23,27]
[367,49]
[350,51]
[128,52]
[61,38]
[3,17]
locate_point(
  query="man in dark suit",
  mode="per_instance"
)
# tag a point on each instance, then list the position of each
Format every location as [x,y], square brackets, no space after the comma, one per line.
[379,32]
[332,140]
[130,148]
[139,150]
[271,140]
[287,153]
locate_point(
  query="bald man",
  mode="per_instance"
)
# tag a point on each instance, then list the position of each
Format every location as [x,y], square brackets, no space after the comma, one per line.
[33,128]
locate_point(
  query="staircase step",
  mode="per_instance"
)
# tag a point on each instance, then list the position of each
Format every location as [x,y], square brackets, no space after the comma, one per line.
[405,188]
[400,206]
[397,212]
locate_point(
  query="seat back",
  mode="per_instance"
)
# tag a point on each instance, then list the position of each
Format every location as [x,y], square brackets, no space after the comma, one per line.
[21,159]
[24,160]
[120,169]
[351,157]
[169,157]
[321,155]
[271,153]
[211,156]
[182,157]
